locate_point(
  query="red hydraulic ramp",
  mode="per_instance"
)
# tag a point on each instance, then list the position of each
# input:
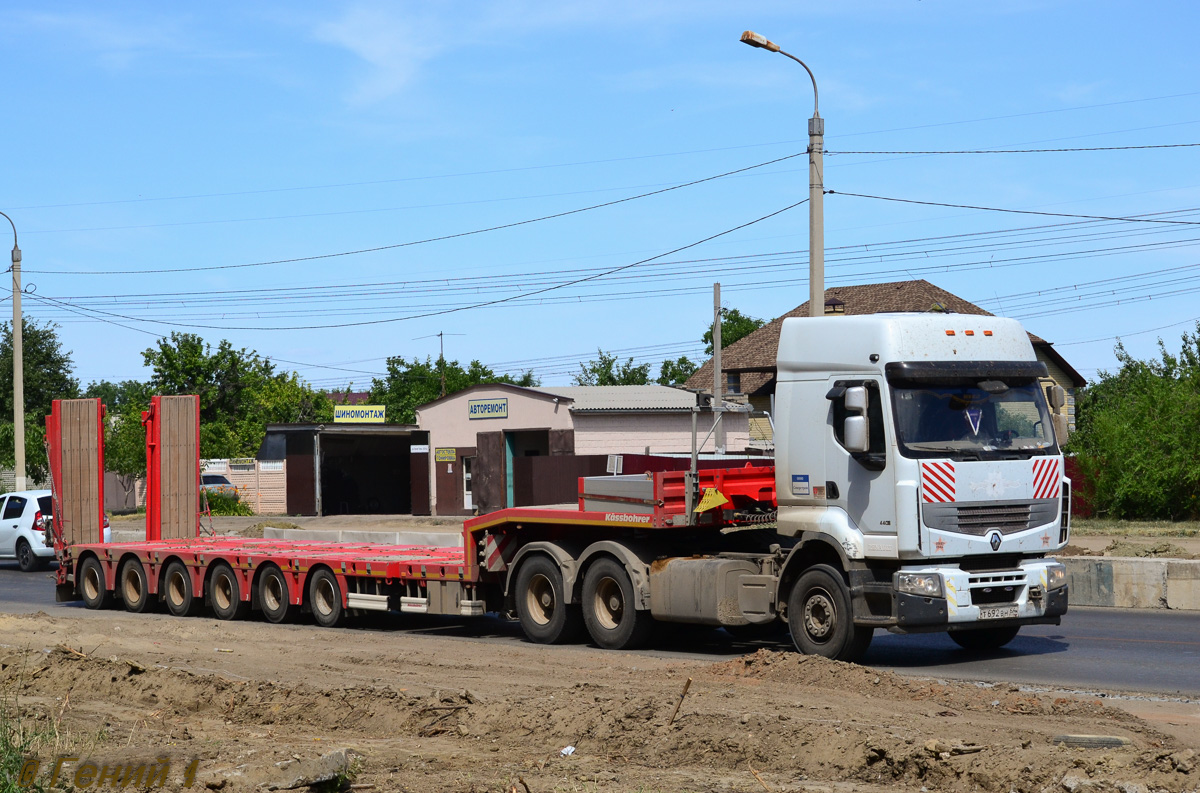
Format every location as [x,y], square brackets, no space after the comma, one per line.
[172,467]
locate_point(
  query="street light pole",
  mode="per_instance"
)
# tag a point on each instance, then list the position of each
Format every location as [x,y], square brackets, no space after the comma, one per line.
[18,363]
[816,186]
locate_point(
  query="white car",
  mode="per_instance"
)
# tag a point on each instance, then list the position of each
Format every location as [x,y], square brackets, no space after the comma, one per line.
[24,528]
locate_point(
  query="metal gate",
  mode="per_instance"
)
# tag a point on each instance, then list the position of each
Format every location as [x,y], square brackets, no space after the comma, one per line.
[172,467]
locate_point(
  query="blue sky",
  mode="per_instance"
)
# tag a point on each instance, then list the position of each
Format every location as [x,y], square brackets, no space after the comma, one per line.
[142,137]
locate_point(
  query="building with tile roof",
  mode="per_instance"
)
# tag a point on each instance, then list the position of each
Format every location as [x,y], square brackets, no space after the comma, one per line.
[749,363]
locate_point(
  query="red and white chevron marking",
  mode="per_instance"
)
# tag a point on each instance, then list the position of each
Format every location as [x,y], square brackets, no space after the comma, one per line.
[937,482]
[495,551]
[1046,482]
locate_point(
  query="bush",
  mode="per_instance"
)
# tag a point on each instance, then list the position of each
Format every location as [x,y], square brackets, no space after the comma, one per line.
[219,504]
[1137,436]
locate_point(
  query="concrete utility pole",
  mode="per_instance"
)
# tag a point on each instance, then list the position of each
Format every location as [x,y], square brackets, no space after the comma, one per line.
[718,390]
[18,328]
[816,186]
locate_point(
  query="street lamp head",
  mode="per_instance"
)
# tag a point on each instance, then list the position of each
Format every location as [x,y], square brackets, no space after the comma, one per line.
[755,40]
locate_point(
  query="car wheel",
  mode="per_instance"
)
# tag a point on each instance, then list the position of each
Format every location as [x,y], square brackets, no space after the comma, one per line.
[27,559]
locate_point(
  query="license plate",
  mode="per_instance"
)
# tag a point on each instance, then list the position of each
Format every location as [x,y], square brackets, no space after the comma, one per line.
[998,613]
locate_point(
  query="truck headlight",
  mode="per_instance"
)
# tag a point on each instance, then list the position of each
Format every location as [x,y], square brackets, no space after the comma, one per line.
[924,584]
[1056,576]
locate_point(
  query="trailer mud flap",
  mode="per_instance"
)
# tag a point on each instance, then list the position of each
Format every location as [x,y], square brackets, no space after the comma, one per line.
[65,593]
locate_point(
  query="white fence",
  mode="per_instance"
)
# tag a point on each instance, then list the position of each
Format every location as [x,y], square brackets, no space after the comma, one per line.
[262,484]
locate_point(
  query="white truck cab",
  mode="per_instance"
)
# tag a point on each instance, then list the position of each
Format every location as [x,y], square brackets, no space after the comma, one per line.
[921,447]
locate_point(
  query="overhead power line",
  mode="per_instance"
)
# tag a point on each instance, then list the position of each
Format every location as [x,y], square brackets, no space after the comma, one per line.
[457,309]
[428,239]
[1028,151]
[1016,211]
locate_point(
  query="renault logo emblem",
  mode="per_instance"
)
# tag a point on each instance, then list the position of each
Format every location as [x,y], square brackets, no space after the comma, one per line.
[994,540]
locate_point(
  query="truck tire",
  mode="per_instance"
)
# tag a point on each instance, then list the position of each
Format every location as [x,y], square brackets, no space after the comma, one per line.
[134,589]
[273,596]
[225,593]
[544,611]
[177,591]
[325,599]
[29,561]
[981,640]
[821,619]
[91,585]
[608,611]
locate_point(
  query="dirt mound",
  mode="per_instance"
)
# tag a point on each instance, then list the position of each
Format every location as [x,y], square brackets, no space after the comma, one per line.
[827,721]
[1163,549]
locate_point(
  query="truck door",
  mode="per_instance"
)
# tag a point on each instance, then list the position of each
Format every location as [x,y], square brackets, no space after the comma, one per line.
[861,483]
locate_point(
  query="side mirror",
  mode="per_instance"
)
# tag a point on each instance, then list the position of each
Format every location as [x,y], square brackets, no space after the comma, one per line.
[1056,396]
[856,400]
[856,433]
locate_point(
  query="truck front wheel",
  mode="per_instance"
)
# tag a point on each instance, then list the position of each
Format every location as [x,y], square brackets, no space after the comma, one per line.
[544,611]
[981,640]
[608,610]
[820,617]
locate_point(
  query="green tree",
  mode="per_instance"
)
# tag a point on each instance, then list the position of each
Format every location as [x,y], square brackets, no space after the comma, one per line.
[240,392]
[676,372]
[48,375]
[1137,435]
[734,325]
[410,384]
[607,370]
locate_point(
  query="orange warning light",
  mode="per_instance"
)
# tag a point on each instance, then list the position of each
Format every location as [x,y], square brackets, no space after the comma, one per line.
[949,333]
[987,333]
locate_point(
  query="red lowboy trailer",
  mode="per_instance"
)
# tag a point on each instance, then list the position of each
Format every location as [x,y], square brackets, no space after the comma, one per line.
[538,563]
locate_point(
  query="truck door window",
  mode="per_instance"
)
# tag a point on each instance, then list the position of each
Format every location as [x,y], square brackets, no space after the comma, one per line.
[874,458]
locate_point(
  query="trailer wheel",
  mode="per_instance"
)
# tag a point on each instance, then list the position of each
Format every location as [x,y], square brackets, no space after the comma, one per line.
[821,619]
[608,609]
[325,599]
[132,585]
[91,585]
[273,596]
[545,615]
[225,593]
[177,591]
[981,640]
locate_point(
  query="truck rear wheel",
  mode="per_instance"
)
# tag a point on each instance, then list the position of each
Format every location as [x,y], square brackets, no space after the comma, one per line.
[821,619]
[981,640]
[133,587]
[225,593]
[273,596]
[325,599]
[177,591]
[91,585]
[544,611]
[608,611]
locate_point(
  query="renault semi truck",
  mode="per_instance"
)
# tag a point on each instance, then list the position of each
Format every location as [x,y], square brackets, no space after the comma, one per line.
[917,487]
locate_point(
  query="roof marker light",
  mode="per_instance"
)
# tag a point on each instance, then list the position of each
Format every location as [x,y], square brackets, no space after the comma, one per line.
[987,333]
[949,333]
[969,332]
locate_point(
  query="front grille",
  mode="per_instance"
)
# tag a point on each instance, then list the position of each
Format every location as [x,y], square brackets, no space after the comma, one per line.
[978,518]
[1000,586]
[981,520]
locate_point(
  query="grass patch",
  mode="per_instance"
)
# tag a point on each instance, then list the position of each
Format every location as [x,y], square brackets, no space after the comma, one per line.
[1104,527]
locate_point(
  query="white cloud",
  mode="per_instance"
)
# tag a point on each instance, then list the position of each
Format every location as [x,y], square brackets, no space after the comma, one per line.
[394,42]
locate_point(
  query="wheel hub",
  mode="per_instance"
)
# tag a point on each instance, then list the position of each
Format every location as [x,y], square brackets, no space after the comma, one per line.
[819,616]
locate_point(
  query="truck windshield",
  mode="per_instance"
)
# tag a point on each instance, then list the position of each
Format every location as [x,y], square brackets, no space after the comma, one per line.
[983,420]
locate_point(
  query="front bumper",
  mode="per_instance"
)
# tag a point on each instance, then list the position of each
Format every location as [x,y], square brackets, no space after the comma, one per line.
[976,598]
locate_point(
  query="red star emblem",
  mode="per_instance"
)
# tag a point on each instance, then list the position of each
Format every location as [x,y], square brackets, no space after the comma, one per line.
[940,544]
[1045,540]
